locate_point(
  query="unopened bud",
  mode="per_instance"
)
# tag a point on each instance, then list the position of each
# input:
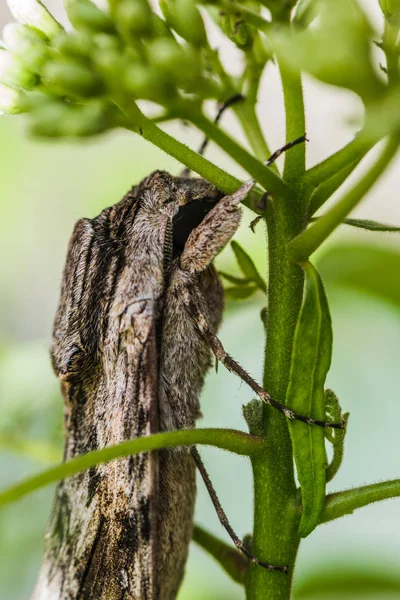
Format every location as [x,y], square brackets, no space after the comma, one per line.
[73,45]
[166,54]
[11,100]
[71,78]
[184,17]
[13,72]
[84,14]
[147,84]
[57,119]
[28,43]
[134,18]
[34,13]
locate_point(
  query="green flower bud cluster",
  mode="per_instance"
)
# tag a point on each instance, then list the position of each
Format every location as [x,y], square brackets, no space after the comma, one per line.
[69,81]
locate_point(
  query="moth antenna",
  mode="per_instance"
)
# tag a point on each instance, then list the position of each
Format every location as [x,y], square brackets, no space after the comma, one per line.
[229,363]
[224,519]
[277,153]
[221,109]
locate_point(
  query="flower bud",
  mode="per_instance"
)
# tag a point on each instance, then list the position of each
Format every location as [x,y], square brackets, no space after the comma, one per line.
[146,83]
[85,15]
[57,119]
[185,18]
[11,100]
[13,72]
[34,13]
[134,18]
[73,45]
[71,78]
[165,54]
[28,43]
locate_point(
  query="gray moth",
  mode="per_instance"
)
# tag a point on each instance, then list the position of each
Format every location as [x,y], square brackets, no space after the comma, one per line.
[133,338]
[131,361]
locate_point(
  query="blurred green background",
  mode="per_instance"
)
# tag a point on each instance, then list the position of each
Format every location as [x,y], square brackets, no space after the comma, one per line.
[45,188]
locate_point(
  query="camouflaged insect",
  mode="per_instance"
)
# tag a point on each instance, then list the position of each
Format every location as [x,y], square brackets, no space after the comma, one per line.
[133,339]
[131,363]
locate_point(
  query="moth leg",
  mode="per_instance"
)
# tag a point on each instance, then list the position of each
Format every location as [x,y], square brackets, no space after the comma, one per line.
[219,351]
[224,519]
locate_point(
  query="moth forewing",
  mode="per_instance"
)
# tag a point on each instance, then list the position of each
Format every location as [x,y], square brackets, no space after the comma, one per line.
[131,363]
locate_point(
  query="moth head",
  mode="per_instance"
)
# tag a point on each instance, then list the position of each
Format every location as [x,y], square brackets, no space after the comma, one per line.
[195,200]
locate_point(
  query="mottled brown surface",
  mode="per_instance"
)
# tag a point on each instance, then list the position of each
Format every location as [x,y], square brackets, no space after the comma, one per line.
[131,363]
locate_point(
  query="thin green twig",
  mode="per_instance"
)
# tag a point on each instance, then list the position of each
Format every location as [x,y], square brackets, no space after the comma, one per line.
[307,242]
[344,503]
[349,154]
[327,188]
[295,161]
[264,175]
[227,439]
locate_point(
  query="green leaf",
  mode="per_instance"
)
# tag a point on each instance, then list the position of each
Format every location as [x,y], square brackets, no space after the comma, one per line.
[241,292]
[335,436]
[364,267]
[311,360]
[247,266]
[233,279]
[316,49]
[371,225]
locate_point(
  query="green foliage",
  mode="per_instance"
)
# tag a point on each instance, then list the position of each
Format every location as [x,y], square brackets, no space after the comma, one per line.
[93,76]
[312,349]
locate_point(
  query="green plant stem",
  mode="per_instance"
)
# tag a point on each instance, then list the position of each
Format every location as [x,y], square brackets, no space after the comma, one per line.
[246,114]
[349,154]
[389,38]
[264,175]
[275,534]
[230,559]
[136,121]
[228,439]
[295,160]
[307,242]
[325,190]
[344,503]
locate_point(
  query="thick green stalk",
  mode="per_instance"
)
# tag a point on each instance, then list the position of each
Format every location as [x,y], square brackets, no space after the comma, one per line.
[275,536]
